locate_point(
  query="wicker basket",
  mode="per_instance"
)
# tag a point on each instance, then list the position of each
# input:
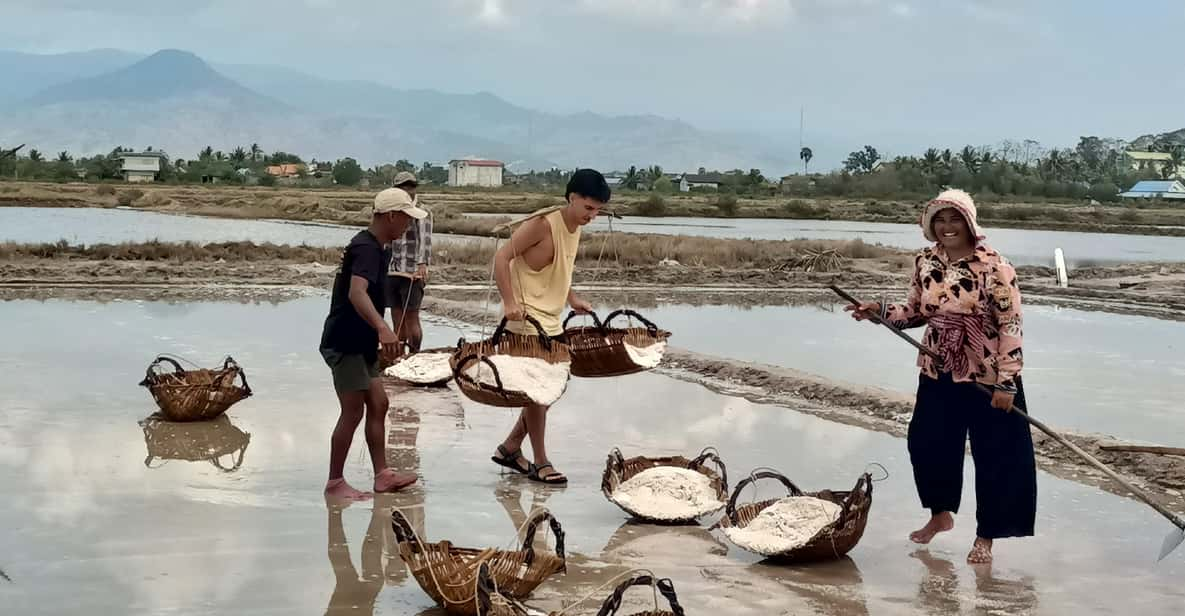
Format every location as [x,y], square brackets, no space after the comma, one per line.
[491,602]
[503,343]
[208,441]
[439,383]
[599,350]
[195,395]
[449,574]
[618,470]
[832,541]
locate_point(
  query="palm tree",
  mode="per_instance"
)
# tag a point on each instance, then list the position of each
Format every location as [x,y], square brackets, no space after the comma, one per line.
[64,157]
[206,153]
[219,156]
[1176,160]
[948,160]
[239,155]
[969,158]
[631,178]
[35,156]
[805,155]
[255,151]
[931,161]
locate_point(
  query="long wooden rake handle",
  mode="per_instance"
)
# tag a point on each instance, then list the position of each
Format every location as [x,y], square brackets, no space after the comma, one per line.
[1176,520]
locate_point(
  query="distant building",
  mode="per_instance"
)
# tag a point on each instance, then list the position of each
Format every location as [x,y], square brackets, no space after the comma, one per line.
[614,180]
[141,167]
[475,172]
[1154,161]
[700,180]
[286,170]
[1156,189]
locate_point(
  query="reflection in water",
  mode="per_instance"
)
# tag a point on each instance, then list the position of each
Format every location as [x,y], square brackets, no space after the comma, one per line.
[208,441]
[354,594]
[831,587]
[938,592]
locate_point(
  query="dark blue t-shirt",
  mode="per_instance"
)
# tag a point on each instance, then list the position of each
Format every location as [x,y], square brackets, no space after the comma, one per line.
[345,330]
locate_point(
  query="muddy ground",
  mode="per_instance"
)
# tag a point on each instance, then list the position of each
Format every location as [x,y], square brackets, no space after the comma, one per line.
[345,205]
[1156,290]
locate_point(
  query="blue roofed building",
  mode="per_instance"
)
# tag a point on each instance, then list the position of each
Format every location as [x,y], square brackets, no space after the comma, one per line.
[1156,189]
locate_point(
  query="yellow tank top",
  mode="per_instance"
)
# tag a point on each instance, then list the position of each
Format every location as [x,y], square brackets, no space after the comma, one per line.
[544,293]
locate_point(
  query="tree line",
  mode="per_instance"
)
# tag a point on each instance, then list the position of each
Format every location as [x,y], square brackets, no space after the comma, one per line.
[1096,168]
[243,164]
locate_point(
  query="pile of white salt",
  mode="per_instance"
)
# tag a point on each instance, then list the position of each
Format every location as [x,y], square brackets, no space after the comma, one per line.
[541,381]
[785,525]
[425,368]
[646,356]
[668,493]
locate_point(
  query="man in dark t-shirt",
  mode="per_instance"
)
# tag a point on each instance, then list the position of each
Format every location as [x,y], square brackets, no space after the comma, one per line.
[350,342]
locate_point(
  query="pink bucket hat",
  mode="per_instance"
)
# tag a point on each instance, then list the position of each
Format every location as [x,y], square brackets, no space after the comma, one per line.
[951,199]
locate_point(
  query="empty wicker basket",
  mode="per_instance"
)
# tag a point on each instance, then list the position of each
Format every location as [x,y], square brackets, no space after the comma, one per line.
[195,395]
[449,574]
[619,469]
[599,350]
[503,343]
[833,540]
[491,602]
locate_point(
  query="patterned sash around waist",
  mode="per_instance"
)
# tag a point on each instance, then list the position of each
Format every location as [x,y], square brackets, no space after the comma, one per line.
[959,335]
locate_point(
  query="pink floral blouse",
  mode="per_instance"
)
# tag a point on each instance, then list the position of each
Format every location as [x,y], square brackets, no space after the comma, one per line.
[973,315]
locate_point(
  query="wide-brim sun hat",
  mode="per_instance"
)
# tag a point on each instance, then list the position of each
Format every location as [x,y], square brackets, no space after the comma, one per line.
[957,200]
[397,200]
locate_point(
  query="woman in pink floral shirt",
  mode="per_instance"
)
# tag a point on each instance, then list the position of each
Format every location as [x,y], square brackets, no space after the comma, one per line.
[967,296]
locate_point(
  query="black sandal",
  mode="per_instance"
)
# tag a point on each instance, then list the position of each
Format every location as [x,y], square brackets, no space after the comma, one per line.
[556,478]
[509,459]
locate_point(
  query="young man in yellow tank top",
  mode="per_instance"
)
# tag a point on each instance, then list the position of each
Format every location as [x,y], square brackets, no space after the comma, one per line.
[534,275]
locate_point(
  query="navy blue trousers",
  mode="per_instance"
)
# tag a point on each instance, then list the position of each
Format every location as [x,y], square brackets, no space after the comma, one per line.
[1001,447]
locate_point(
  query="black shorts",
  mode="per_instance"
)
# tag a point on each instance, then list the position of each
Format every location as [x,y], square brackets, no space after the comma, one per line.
[404,294]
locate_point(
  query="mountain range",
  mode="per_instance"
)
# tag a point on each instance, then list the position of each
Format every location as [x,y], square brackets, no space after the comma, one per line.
[90,102]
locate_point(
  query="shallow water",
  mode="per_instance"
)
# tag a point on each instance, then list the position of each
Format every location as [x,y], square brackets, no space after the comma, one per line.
[1021,246]
[112,226]
[93,528]
[1089,371]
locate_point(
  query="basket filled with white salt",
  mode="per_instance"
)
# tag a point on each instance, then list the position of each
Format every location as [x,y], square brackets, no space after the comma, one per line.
[428,367]
[601,350]
[800,527]
[510,370]
[666,490]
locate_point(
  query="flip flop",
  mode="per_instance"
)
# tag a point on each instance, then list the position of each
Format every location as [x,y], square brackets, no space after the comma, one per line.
[556,478]
[509,459]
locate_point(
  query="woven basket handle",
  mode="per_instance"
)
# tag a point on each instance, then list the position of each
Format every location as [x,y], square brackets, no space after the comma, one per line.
[544,339]
[457,374]
[613,601]
[150,458]
[710,453]
[529,536]
[236,462]
[231,367]
[597,321]
[630,313]
[617,461]
[151,373]
[402,528]
[736,493]
[863,489]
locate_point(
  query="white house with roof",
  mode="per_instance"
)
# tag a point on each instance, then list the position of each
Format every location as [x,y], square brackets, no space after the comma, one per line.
[141,167]
[1155,161]
[1156,189]
[475,172]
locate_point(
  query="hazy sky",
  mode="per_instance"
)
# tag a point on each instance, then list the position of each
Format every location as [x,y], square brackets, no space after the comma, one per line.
[898,74]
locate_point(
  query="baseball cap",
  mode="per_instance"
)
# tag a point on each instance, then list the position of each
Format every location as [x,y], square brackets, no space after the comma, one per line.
[405,177]
[397,200]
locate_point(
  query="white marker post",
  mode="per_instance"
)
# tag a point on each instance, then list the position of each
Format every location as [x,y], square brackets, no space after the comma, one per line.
[1059,260]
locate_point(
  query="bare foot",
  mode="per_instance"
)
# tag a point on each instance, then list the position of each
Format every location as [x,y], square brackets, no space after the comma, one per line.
[981,552]
[339,489]
[939,523]
[391,480]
